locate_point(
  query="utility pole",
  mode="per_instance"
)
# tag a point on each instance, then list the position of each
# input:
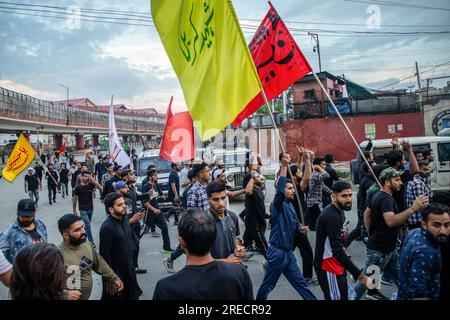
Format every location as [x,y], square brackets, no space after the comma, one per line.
[315,37]
[418,77]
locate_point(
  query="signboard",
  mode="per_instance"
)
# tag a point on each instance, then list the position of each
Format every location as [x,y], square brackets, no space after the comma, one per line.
[369,130]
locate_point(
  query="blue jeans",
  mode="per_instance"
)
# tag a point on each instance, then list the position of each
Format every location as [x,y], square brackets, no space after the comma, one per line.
[34,194]
[388,263]
[177,252]
[87,216]
[281,261]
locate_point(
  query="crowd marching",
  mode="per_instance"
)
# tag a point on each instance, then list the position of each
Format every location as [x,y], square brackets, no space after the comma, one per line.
[404,227]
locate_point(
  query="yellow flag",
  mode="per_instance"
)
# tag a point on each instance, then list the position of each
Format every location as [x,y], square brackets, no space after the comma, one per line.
[208,52]
[21,156]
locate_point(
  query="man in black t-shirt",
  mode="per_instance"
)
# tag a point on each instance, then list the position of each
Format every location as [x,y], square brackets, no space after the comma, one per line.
[203,278]
[39,170]
[32,183]
[84,195]
[383,220]
[64,180]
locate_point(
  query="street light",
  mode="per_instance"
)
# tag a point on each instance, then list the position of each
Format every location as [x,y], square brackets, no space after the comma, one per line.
[315,37]
[67,90]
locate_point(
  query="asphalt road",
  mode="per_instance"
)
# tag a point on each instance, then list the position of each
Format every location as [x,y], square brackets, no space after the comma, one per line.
[150,256]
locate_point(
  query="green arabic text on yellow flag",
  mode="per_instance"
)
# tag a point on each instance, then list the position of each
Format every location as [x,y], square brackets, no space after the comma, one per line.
[208,52]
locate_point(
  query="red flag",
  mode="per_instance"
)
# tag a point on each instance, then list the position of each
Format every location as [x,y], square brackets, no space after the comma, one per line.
[278,59]
[178,141]
[62,149]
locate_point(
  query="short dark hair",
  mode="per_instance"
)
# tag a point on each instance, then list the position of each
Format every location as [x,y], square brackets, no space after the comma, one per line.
[416,151]
[280,156]
[174,164]
[199,167]
[289,181]
[442,197]
[110,199]
[328,158]
[83,172]
[318,160]
[151,174]
[392,157]
[198,230]
[294,168]
[434,208]
[340,186]
[214,187]
[190,175]
[108,165]
[422,163]
[367,153]
[426,152]
[116,168]
[66,221]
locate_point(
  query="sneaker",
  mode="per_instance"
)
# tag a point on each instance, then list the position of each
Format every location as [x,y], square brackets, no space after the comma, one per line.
[264,265]
[54,200]
[50,202]
[156,234]
[389,282]
[169,265]
[167,250]
[140,271]
[312,282]
[376,295]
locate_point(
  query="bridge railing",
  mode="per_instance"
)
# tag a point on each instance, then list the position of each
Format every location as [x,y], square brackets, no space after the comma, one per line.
[23,107]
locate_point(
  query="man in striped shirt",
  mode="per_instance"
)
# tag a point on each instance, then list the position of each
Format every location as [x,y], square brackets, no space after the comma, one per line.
[197,197]
[415,189]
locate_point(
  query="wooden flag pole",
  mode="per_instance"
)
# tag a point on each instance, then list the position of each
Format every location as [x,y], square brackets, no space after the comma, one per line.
[346,128]
[297,194]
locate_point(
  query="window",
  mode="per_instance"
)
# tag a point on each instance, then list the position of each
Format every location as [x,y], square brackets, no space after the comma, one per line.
[444,152]
[161,165]
[310,94]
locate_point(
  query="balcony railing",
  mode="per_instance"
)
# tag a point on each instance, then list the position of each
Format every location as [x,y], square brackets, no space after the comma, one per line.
[22,107]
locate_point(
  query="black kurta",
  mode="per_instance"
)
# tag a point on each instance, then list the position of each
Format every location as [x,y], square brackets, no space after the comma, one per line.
[117,242]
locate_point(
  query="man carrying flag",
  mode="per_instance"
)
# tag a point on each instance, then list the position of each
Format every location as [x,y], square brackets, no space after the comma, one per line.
[19,159]
[207,50]
[278,60]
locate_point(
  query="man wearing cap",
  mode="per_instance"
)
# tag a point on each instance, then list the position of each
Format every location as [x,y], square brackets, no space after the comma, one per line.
[32,184]
[220,175]
[383,220]
[84,194]
[24,231]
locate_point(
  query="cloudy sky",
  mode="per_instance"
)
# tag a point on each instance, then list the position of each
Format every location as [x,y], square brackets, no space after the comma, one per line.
[45,45]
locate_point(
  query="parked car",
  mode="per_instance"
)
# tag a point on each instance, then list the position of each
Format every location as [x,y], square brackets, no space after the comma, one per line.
[440,167]
[163,167]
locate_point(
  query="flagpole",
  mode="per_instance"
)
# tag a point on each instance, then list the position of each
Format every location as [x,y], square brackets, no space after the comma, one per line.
[297,194]
[45,169]
[347,128]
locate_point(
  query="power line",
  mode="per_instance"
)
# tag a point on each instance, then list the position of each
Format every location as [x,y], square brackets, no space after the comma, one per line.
[399,4]
[403,79]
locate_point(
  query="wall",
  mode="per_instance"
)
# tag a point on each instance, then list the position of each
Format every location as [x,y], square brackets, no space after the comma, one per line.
[434,112]
[328,135]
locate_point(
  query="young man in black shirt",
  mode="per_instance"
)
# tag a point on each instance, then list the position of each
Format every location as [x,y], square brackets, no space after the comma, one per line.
[329,181]
[383,220]
[84,195]
[203,278]
[331,262]
[39,170]
[255,223]
[64,180]
[32,183]
[52,177]
[117,242]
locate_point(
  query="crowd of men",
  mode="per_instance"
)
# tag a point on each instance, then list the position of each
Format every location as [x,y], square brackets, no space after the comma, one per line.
[405,230]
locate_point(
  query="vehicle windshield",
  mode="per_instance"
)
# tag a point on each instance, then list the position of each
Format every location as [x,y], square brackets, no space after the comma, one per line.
[232,160]
[444,152]
[160,164]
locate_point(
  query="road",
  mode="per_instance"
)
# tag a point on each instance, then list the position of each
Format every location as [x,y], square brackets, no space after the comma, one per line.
[150,256]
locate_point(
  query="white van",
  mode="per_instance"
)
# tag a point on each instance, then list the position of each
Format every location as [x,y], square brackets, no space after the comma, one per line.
[440,167]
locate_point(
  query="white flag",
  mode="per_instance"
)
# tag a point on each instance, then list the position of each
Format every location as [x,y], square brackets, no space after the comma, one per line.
[115,148]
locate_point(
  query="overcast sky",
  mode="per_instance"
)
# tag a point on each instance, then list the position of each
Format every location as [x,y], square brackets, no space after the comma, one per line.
[97,59]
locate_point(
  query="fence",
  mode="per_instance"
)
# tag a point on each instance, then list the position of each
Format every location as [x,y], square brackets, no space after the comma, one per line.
[19,106]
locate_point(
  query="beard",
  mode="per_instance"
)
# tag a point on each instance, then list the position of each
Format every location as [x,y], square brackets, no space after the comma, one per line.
[26,224]
[77,241]
[440,238]
[424,176]
[344,206]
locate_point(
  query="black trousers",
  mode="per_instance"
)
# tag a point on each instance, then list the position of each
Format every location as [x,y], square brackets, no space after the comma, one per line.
[334,287]
[51,190]
[302,243]
[312,213]
[161,223]
[255,234]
